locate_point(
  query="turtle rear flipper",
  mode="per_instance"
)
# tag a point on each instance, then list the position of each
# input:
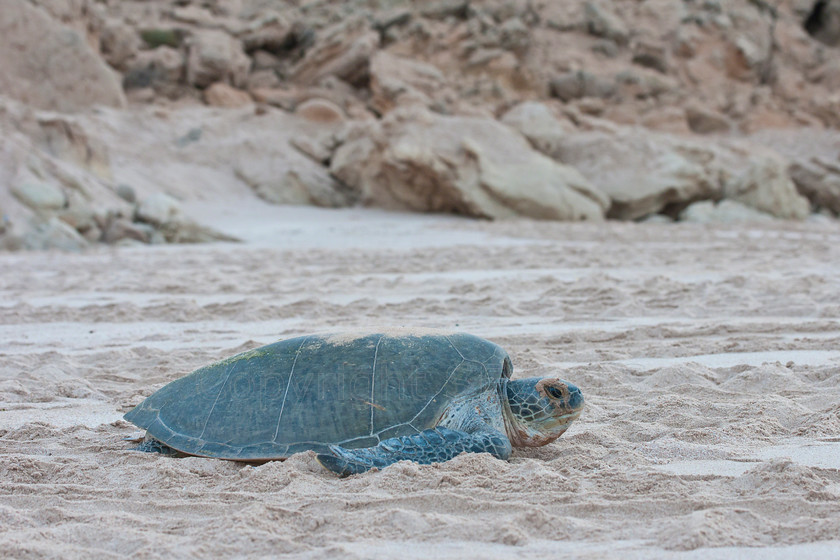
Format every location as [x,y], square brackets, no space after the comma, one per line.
[429,446]
[151,445]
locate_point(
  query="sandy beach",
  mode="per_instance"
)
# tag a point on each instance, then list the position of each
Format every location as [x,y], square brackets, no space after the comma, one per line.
[708,357]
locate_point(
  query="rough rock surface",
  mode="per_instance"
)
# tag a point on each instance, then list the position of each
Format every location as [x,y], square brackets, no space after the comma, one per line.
[649,100]
[344,52]
[641,172]
[50,65]
[216,56]
[539,124]
[398,80]
[819,180]
[472,166]
[724,212]
[766,186]
[40,195]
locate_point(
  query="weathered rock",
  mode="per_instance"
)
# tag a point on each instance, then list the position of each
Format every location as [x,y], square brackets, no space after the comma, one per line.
[472,166]
[275,183]
[79,217]
[536,122]
[195,15]
[724,212]
[706,121]
[442,9]
[603,22]
[215,56]
[221,94]
[397,81]
[121,228]
[155,68]
[40,195]
[514,36]
[53,234]
[766,186]
[126,192]
[666,119]
[343,50]
[651,55]
[286,99]
[50,65]
[320,111]
[272,32]
[264,60]
[118,42]
[642,172]
[574,85]
[159,209]
[641,83]
[65,138]
[819,180]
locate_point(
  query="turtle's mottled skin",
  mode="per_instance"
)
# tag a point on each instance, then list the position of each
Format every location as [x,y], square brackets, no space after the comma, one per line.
[359,402]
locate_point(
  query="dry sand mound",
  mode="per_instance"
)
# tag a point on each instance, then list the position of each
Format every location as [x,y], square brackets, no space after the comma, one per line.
[709,360]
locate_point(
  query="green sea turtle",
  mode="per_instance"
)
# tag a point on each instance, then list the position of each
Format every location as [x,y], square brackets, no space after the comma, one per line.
[359,401]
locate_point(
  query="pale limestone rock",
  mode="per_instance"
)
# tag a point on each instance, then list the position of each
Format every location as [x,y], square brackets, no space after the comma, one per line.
[724,212]
[603,22]
[118,42]
[49,65]
[703,120]
[320,111]
[642,172]
[396,80]
[536,122]
[221,94]
[343,50]
[270,32]
[575,85]
[66,138]
[472,166]
[163,66]
[819,180]
[53,234]
[216,56]
[121,228]
[40,195]
[766,186]
[159,209]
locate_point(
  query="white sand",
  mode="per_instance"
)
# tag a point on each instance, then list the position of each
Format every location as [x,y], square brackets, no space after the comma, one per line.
[709,358]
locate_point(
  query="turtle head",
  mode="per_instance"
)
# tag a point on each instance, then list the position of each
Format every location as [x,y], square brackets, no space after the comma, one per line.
[538,410]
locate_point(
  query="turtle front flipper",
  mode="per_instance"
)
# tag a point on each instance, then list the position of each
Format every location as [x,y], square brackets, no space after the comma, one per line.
[429,446]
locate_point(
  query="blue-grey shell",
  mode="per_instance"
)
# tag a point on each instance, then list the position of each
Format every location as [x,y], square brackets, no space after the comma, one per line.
[309,392]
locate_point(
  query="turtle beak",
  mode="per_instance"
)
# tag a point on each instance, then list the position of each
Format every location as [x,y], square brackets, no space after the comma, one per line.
[575,399]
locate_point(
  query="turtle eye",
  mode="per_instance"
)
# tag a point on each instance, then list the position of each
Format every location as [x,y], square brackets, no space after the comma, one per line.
[554,392]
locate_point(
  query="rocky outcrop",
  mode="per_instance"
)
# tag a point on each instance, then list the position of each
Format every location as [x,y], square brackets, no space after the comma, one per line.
[477,167]
[343,50]
[645,172]
[539,124]
[49,65]
[642,173]
[765,185]
[40,195]
[819,180]
[396,80]
[551,110]
[215,56]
